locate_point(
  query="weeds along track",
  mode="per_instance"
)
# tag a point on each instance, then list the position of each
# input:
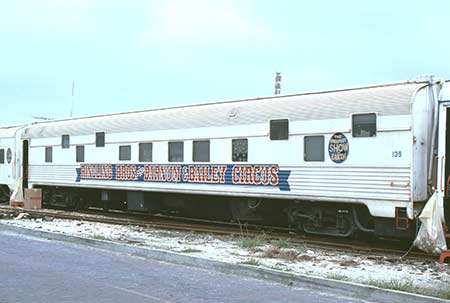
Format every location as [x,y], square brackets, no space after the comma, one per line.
[381,247]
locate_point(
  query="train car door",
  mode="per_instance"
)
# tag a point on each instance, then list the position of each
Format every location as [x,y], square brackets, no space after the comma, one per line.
[443,156]
[6,162]
[4,190]
[25,164]
[3,170]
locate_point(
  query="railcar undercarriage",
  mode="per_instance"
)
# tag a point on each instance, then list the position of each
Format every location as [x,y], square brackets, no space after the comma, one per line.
[4,193]
[331,219]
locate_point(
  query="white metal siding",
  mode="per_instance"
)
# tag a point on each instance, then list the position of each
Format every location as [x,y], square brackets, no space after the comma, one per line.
[352,182]
[362,184]
[370,175]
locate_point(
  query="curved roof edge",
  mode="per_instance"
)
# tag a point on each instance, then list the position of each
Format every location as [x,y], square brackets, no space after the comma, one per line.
[445,92]
[225,101]
[10,131]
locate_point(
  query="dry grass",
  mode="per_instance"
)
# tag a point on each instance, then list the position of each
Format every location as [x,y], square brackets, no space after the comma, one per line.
[444,294]
[190,250]
[338,277]
[252,242]
[285,254]
[281,243]
[405,285]
[252,261]
[99,237]
[393,284]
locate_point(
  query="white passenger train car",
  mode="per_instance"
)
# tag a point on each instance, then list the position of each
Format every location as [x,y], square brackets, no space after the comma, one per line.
[10,159]
[338,161]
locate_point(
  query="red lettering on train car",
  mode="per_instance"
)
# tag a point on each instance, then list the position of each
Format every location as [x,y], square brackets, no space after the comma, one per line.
[274,175]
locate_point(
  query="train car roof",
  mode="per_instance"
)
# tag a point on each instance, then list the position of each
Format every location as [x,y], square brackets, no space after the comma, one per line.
[445,92]
[384,99]
[9,131]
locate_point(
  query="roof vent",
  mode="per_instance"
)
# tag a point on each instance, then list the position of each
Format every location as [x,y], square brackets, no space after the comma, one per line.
[425,78]
[233,112]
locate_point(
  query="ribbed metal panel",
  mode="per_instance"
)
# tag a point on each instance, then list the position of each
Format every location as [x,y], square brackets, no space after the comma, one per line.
[324,182]
[384,100]
[52,173]
[363,182]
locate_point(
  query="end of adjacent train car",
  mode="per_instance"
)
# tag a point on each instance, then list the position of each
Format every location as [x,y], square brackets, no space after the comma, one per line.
[10,160]
[443,153]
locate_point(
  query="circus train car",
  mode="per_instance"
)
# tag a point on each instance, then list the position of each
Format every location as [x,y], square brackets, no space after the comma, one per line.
[10,160]
[329,162]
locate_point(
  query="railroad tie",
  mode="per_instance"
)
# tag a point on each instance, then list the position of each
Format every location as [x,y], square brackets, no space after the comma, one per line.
[446,253]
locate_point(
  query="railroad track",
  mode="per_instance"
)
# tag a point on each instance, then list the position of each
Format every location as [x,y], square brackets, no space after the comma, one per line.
[390,249]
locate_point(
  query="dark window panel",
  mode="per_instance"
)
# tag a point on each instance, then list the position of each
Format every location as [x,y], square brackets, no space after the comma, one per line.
[200,151]
[279,129]
[239,150]
[176,152]
[364,125]
[48,154]
[100,139]
[80,153]
[314,148]
[145,152]
[125,152]
[65,141]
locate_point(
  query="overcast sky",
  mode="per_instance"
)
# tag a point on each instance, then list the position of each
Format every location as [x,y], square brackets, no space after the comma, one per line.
[125,55]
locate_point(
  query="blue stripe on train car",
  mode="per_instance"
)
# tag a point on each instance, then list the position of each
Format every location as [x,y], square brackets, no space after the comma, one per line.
[215,174]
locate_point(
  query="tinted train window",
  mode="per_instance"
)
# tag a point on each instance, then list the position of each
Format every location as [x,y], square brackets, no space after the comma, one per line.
[65,141]
[364,125]
[239,150]
[125,152]
[2,156]
[80,153]
[145,152]
[200,152]
[48,154]
[279,129]
[100,139]
[314,148]
[176,152]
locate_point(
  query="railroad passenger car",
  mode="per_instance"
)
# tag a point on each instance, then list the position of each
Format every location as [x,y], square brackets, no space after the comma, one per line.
[10,160]
[328,162]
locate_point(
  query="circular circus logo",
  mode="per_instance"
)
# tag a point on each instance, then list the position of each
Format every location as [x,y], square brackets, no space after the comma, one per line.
[338,148]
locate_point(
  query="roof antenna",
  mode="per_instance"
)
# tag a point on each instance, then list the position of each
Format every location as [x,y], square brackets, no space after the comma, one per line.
[40,119]
[73,99]
[278,83]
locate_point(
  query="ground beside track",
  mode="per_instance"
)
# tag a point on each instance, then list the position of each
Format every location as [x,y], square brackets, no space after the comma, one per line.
[421,276]
[63,272]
